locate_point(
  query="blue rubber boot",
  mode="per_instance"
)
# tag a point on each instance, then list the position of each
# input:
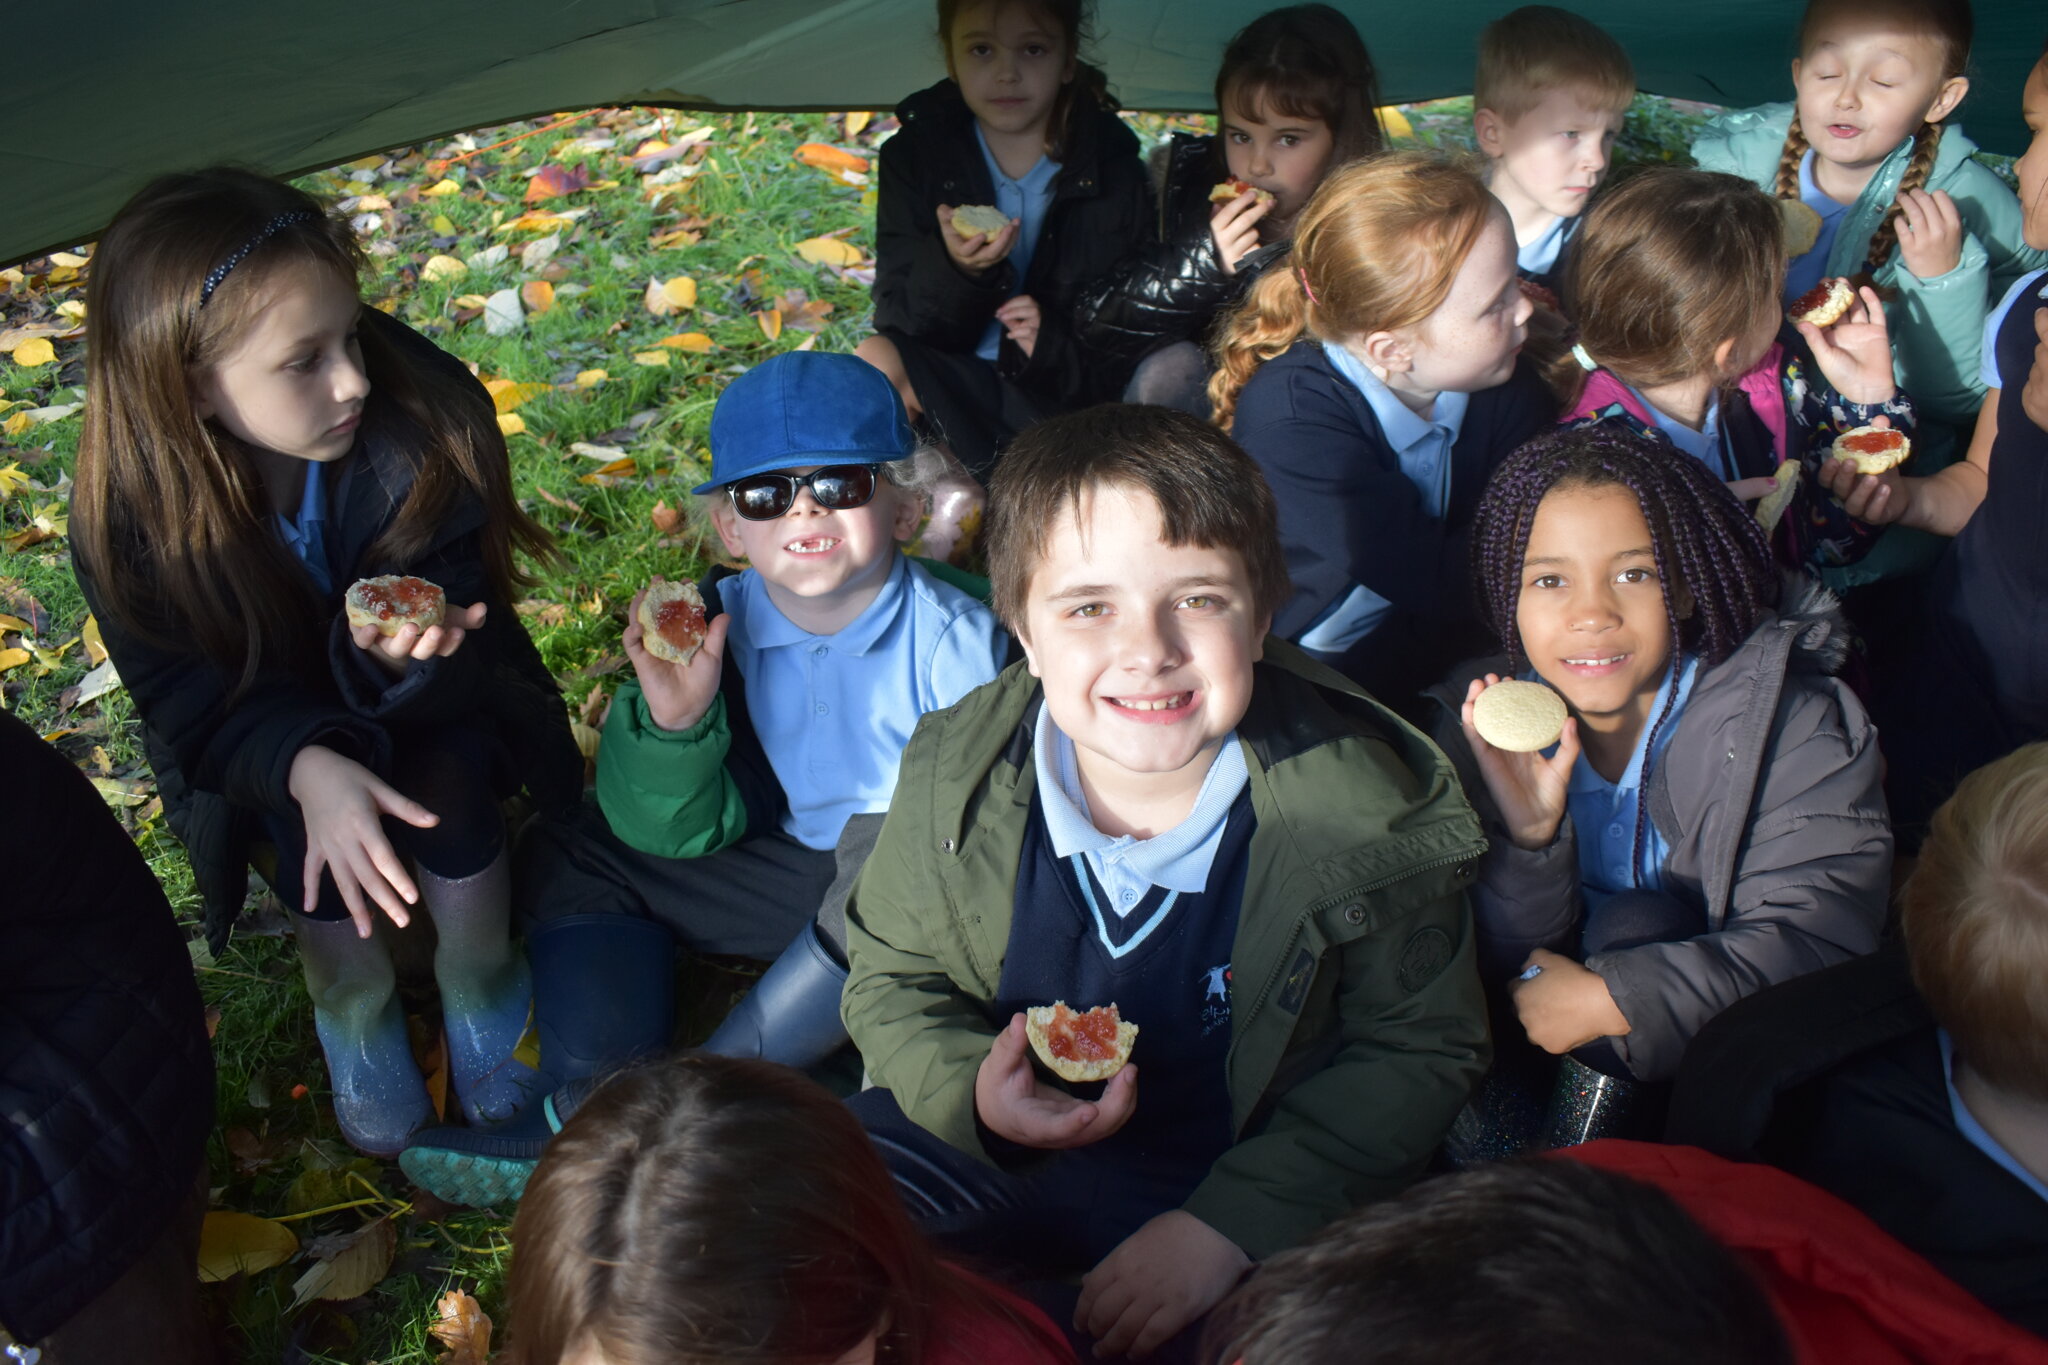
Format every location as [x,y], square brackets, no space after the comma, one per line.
[792,1014]
[486,991]
[604,998]
[379,1098]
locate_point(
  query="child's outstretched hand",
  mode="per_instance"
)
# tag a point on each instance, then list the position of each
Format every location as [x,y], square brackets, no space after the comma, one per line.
[1565,1005]
[1016,1105]
[342,803]
[1020,318]
[1528,788]
[677,695]
[1874,499]
[1856,353]
[1930,233]
[1158,1280]
[1234,227]
[393,652]
[978,252]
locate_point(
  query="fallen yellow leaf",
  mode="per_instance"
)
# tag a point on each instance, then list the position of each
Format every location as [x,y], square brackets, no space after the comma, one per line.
[511,423]
[12,480]
[829,251]
[73,309]
[538,295]
[507,395]
[70,258]
[670,296]
[233,1244]
[13,658]
[17,424]
[695,342]
[33,352]
[681,237]
[462,1327]
[372,203]
[440,268]
[590,379]
[771,322]
[443,226]
[441,187]
[651,358]
[857,121]
[95,647]
[14,623]
[1394,123]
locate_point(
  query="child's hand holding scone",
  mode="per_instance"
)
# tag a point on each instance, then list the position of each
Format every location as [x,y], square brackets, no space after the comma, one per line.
[1507,737]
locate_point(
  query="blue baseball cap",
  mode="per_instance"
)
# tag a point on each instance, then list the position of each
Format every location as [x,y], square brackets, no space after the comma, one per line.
[806,408]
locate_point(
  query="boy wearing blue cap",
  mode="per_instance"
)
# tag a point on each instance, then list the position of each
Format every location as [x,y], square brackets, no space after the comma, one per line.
[743,789]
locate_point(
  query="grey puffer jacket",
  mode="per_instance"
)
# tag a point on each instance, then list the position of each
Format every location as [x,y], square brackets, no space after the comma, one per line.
[1770,799]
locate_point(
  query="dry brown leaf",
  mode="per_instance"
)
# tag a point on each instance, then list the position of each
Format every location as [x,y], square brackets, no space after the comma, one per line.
[771,322]
[555,180]
[666,519]
[680,237]
[463,1328]
[537,295]
[355,1266]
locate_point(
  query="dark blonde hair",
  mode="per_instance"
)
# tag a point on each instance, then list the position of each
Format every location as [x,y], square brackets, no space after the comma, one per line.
[1087,91]
[713,1209]
[1377,249]
[1948,22]
[1210,493]
[1975,917]
[170,517]
[1536,49]
[1670,264]
[1306,61]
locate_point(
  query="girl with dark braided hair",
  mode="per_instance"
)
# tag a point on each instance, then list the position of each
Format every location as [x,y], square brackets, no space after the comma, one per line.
[1901,203]
[1711,820]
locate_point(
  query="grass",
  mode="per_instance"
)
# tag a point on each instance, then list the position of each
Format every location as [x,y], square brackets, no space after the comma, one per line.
[749,202]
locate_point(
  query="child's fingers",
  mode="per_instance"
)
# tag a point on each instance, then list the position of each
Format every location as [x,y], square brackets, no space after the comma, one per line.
[374,880]
[428,643]
[1104,1297]
[1567,755]
[366,637]
[466,618]
[1749,490]
[451,639]
[391,801]
[309,891]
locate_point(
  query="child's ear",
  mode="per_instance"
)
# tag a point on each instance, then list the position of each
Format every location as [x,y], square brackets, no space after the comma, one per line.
[1385,353]
[199,387]
[1947,98]
[727,523]
[1030,654]
[1487,127]
[1723,353]
[909,513]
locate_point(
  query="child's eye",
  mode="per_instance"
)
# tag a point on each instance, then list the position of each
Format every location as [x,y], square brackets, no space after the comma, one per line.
[303,365]
[1637,575]
[1547,580]
[1290,140]
[1198,602]
[977,49]
[1035,49]
[1088,611]
[1237,137]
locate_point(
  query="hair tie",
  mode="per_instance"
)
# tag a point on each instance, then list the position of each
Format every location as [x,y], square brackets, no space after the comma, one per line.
[1305,287]
[1585,361]
[271,228]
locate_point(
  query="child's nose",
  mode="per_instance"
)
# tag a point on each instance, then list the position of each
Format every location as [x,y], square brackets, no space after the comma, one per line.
[1261,164]
[1147,644]
[805,505]
[350,383]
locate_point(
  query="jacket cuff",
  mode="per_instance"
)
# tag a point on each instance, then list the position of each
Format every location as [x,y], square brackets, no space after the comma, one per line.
[1259,1225]
[670,763]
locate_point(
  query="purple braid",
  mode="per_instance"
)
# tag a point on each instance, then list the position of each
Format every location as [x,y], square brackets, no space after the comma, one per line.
[1713,559]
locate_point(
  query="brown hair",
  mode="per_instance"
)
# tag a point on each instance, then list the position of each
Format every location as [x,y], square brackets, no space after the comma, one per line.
[1948,22]
[170,515]
[1210,493]
[1975,917]
[1377,249]
[1087,91]
[715,1209]
[1670,264]
[1306,61]
[1525,55]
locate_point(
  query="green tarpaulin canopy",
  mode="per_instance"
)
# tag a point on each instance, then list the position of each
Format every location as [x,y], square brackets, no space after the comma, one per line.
[120,92]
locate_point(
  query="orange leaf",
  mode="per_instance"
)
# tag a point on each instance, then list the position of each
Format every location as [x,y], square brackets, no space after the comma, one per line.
[695,342]
[771,322]
[507,395]
[538,295]
[666,518]
[826,157]
[553,181]
[463,1328]
[681,237]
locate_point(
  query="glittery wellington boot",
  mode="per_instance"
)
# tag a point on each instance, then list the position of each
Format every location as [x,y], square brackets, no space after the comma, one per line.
[379,1098]
[1588,1104]
[792,1014]
[486,990]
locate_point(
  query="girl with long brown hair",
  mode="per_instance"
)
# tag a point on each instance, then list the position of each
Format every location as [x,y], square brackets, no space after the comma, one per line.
[255,440]
[1892,192]
[1375,375]
[709,1210]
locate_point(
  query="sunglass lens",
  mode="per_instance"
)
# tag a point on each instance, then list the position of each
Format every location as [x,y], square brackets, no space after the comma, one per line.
[843,486]
[763,498]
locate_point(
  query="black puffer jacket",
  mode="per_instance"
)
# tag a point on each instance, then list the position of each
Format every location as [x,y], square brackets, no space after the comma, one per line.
[106,1077]
[221,761]
[1102,204]
[1171,288]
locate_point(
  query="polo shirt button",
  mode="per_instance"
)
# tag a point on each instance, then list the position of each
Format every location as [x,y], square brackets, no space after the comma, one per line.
[1613,831]
[1130,896]
[822,710]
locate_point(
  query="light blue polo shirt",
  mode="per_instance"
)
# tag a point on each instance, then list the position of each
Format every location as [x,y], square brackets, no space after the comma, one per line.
[1974,1132]
[1604,813]
[1177,859]
[1804,272]
[1988,369]
[1422,445]
[834,711]
[1704,445]
[1027,200]
[1540,255]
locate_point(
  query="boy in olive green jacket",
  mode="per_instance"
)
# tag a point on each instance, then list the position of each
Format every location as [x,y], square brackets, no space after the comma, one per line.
[1166,810]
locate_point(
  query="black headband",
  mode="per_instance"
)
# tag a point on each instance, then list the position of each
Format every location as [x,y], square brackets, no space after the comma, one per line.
[271,228]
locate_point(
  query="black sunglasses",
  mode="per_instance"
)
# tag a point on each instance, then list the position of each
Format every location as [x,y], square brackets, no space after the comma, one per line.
[837,487]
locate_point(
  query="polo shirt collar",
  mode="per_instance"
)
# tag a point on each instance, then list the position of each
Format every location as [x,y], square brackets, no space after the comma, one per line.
[770,629]
[1406,429]
[1584,779]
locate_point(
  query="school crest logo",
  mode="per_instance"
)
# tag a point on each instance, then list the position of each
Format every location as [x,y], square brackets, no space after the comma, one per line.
[1423,957]
[1215,999]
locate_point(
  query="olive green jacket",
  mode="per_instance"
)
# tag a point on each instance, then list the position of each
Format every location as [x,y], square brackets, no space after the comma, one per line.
[1358,1028]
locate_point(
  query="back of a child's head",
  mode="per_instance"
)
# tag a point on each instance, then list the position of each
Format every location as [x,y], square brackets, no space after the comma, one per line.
[1975,917]
[1949,25]
[708,1209]
[1073,20]
[1377,249]
[1305,61]
[1670,264]
[1535,50]
[1543,1262]
[1209,492]
[1712,557]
